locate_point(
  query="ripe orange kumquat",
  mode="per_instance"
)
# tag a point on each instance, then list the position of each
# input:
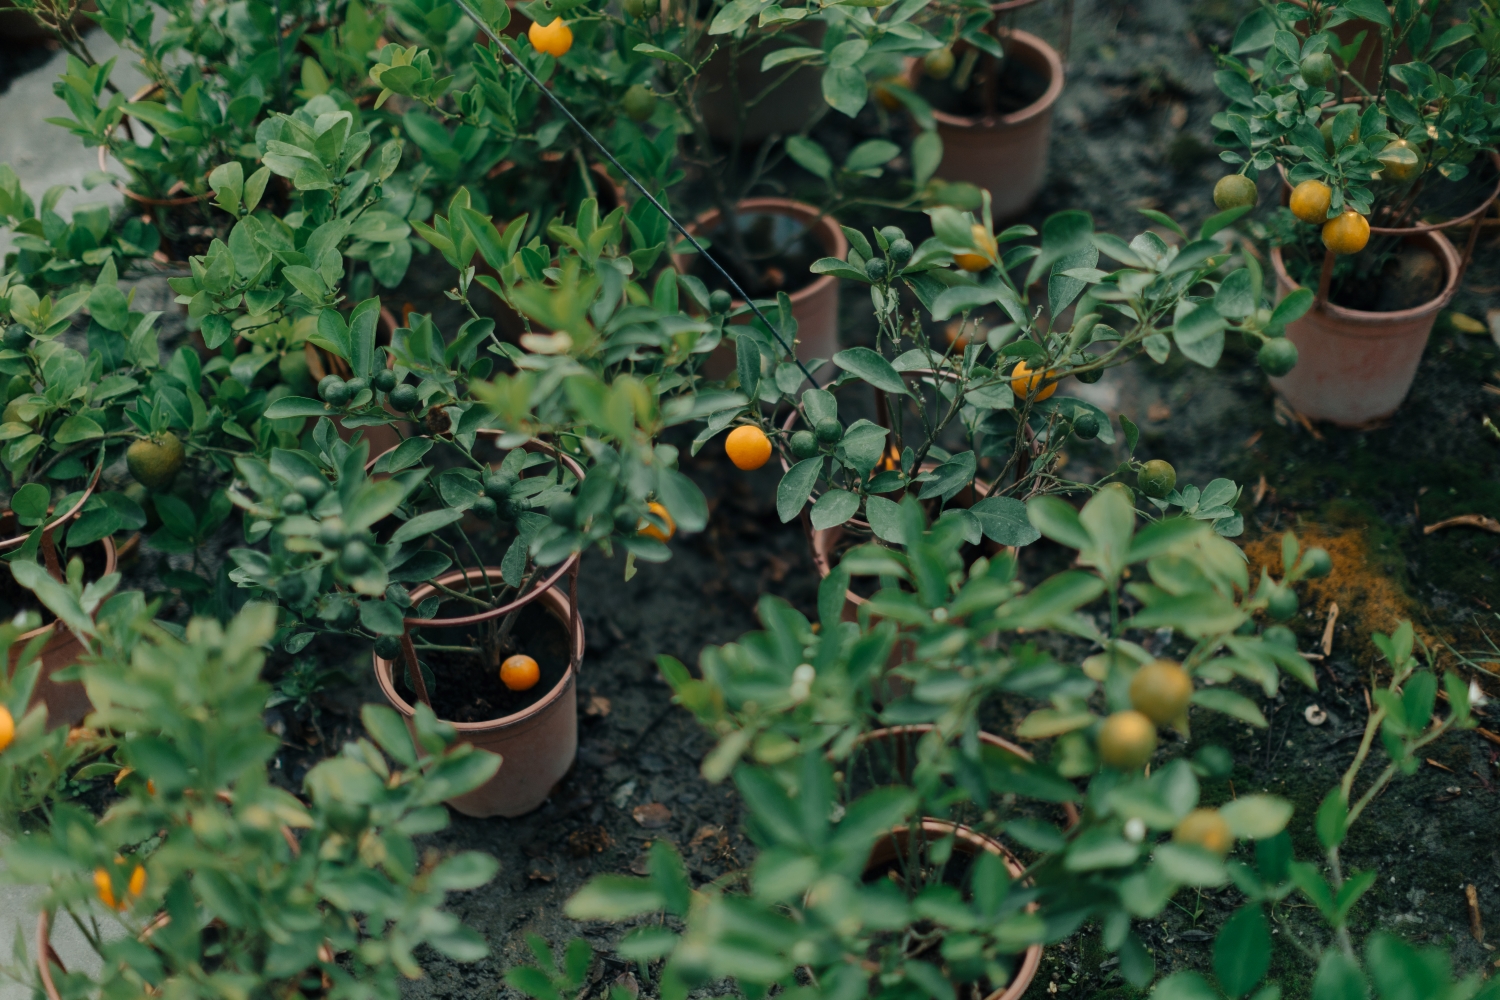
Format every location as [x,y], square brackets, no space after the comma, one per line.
[555,39]
[653,531]
[7,727]
[1024,381]
[978,261]
[748,447]
[104,887]
[519,672]
[1310,200]
[1347,234]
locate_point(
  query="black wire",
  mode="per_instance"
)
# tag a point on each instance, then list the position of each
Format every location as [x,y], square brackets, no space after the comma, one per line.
[740,292]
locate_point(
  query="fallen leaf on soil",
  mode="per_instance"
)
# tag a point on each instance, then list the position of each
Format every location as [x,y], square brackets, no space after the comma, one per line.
[589,840]
[1260,490]
[1333,616]
[597,706]
[641,865]
[705,832]
[652,815]
[541,873]
[1488,735]
[1476,923]
[1465,521]
[626,981]
[1158,411]
[1440,767]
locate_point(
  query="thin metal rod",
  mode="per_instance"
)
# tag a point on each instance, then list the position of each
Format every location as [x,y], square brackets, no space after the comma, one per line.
[557,102]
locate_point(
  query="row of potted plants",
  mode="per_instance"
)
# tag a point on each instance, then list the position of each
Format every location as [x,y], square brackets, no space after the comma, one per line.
[431,491]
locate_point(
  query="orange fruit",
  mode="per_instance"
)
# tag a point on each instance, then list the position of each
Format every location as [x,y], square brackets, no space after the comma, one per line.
[748,447]
[1161,691]
[1127,740]
[652,531]
[104,887]
[1347,234]
[1024,381]
[555,39]
[888,100]
[1205,828]
[137,881]
[519,672]
[954,332]
[1399,161]
[1310,201]
[978,261]
[7,727]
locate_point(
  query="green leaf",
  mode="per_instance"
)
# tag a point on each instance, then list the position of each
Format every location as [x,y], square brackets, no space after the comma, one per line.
[385,727]
[1338,975]
[844,89]
[834,508]
[30,504]
[381,617]
[734,15]
[1005,521]
[78,427]
[1184,986]
[1256,817]
[926,156]
[1235,705]
[464,871]
[614,897]
[426,523]
[1370,10]
[1332,821]
[1291,308]
[1236,298]
[809,155]
[296,406]
[871,153]
[1057,520]
[795,487]
[1242,951]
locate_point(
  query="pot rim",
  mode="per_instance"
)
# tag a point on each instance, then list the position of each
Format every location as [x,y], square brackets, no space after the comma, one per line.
[824,227]
[524,599]
[923,728]
[73,511]
[559,607]
[1437,244]
[1032,959]
[1426,227]
[110,564]
[1056,78]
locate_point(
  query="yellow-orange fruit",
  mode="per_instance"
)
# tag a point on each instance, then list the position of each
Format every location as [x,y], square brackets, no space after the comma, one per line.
[1024,381]
[1347,234]
[1310,201]
[748,447]
[519,672]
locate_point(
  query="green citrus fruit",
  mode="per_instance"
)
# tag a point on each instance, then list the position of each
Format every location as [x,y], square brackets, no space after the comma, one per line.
[1235,191]
[312,488]
[384,380]
[387,647]
[154,461]
[497,485]
[1318,563]
[1318,69]
[294,503]
[331,533]
[1086,426]
[639,102]
[485,509]
[1277,356]
[356,386]
[1282,604]
[901,251]
[830,431]
[405,398]
[1157,478]
[720,301]
[355,558]
[804,444]
[938,63]
[875,268]
[17,338]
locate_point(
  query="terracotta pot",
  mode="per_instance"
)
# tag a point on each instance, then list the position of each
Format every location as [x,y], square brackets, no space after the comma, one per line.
[814,306]
[904,739]
[1004,154]
[67,701]
[8,523]
[970,843]
[726,85]
[536,745]
[1355,366]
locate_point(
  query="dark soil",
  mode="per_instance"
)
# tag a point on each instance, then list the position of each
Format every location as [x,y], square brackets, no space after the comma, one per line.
[992,87]
[465,687]
[779,250]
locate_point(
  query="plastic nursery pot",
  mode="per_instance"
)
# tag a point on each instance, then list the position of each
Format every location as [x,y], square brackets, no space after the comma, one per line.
[900,743]
[1005,154]
[1355,366]
[815,306]
[727,85]
[537,744]
[893,846]
[67,702]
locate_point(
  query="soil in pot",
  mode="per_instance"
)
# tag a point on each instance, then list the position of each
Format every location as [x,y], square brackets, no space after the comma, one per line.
[465,687]
[1382,279]
[982,86]
[778,250]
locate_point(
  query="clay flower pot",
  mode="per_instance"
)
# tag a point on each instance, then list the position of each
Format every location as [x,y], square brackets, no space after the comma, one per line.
[1004,154]
[537,744]
[67,702]
[815,306]
[968,843]
[1355,366]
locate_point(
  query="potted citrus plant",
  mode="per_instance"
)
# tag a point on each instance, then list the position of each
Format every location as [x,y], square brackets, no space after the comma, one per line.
[1380,167]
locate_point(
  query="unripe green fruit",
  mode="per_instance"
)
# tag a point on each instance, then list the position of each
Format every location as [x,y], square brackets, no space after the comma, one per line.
[1281,636]
[337,394]
[497,485]
[892,234]
[901,251]
[1089,377]
[292,589]
[17,338]
[1317,69]
[154,462]
[331,533]
[1318,563]
[356,558]
[405,398]
[387,647]
[804,444]
[485,509]
[384,380]
[1283,604]
[875,269]
[938,63]
[720,301]
[1277,356]
[294,503]
[19,385]
[356,386]
[312,488]
[1235,191]
[513,507]
[1086,426]
[830,431]
[1157,478]
[327,382]
[639,102]
[641,9]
